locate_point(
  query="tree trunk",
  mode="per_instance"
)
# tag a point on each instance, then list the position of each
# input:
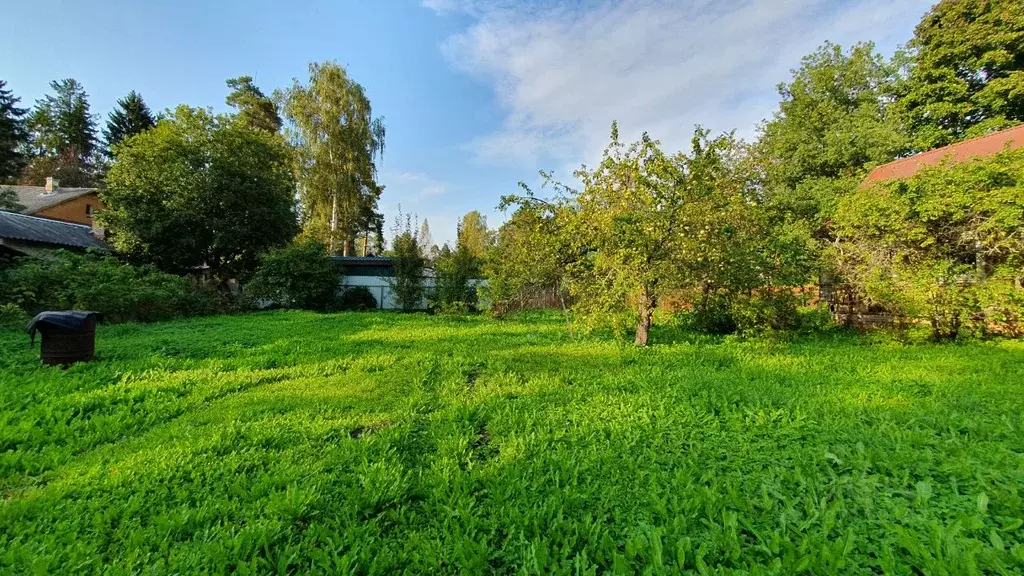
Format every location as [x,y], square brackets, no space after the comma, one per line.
[643,322]
[565,310]
[334,219]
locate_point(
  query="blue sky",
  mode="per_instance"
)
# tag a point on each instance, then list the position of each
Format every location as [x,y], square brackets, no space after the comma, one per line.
[477,95]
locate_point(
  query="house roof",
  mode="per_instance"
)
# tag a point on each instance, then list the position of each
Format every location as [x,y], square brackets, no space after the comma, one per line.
[36,198]
[362,260]
[37,230]
[989,145]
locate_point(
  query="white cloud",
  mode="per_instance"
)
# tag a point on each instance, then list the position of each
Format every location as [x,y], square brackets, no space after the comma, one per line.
[441,6]
[413,186]
[563,72]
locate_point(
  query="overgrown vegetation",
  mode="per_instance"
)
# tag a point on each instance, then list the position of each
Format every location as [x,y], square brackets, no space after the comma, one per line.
[200,190]
[299,276]
[101,283]
[295,442]
[945,245]
[409,265]
[357,299]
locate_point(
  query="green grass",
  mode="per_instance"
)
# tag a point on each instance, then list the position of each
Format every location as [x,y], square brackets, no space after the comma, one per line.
[293,442]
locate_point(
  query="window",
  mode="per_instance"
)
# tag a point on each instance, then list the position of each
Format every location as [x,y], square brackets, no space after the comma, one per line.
[88,209]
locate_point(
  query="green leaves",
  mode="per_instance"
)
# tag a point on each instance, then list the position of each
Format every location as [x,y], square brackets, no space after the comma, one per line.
[199,190]
[299,276]
[944,245]
[965,72]
[337,142]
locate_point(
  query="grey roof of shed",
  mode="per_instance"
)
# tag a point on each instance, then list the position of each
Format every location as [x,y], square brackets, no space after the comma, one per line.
[357,260]
[36,198]
[45,231]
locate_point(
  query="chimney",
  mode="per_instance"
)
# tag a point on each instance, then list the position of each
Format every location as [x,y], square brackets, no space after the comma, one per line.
[52,184]
[99,232]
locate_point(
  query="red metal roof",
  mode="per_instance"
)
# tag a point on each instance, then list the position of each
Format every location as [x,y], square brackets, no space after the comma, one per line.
[989,145]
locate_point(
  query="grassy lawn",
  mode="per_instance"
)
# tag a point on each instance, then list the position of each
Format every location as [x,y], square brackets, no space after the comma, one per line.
[292,442]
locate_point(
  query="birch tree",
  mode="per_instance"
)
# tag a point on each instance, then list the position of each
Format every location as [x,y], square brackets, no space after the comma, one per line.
[338,142]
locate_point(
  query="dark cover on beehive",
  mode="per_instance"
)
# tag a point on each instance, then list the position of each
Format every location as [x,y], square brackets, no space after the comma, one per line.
[64,321]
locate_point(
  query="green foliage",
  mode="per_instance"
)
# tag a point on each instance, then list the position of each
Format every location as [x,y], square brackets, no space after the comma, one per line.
[67,169]
[474,237]
[9,200]
[767,311]
[299,443]
[131,116]
[200,190]
[61,124]
[356,298]
[944,245]
[12,317]
[338,142]
[713,314]
[255,110]
[646,225]
[409,265]
[834,120]
[300,275]
[529,257]
[454,271]
[833,117]
[966,71]
[13,135]
[100,283]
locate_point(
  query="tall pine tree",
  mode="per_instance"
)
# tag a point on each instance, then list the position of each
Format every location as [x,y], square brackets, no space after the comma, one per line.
[255,109]
[130,117]
[13,136]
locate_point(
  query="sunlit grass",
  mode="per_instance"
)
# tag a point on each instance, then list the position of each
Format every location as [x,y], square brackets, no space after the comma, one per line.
[294,442]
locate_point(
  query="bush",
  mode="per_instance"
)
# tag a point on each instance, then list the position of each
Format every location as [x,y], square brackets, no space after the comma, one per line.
[713,315]
[766,311]
[300,275]
[100,283]
[454,292]
[357,298]
[12,317]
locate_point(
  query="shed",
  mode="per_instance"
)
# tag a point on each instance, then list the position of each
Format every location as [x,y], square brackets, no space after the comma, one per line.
[374,273]
[24,235]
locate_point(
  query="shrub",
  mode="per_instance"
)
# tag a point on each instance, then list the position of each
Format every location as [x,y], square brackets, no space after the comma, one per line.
[13,317]
[766,311]
[356,298]
[713,315]
[300,275]
[454,293]
[407,283]
[101,283]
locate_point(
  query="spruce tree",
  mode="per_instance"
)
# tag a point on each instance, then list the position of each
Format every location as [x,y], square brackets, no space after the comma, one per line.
[13,136]
[130,117]
[61,124]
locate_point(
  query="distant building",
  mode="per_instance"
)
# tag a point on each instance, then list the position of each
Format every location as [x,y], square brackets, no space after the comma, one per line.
[958,153]
[76,205]
[374,273]
[24,235]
